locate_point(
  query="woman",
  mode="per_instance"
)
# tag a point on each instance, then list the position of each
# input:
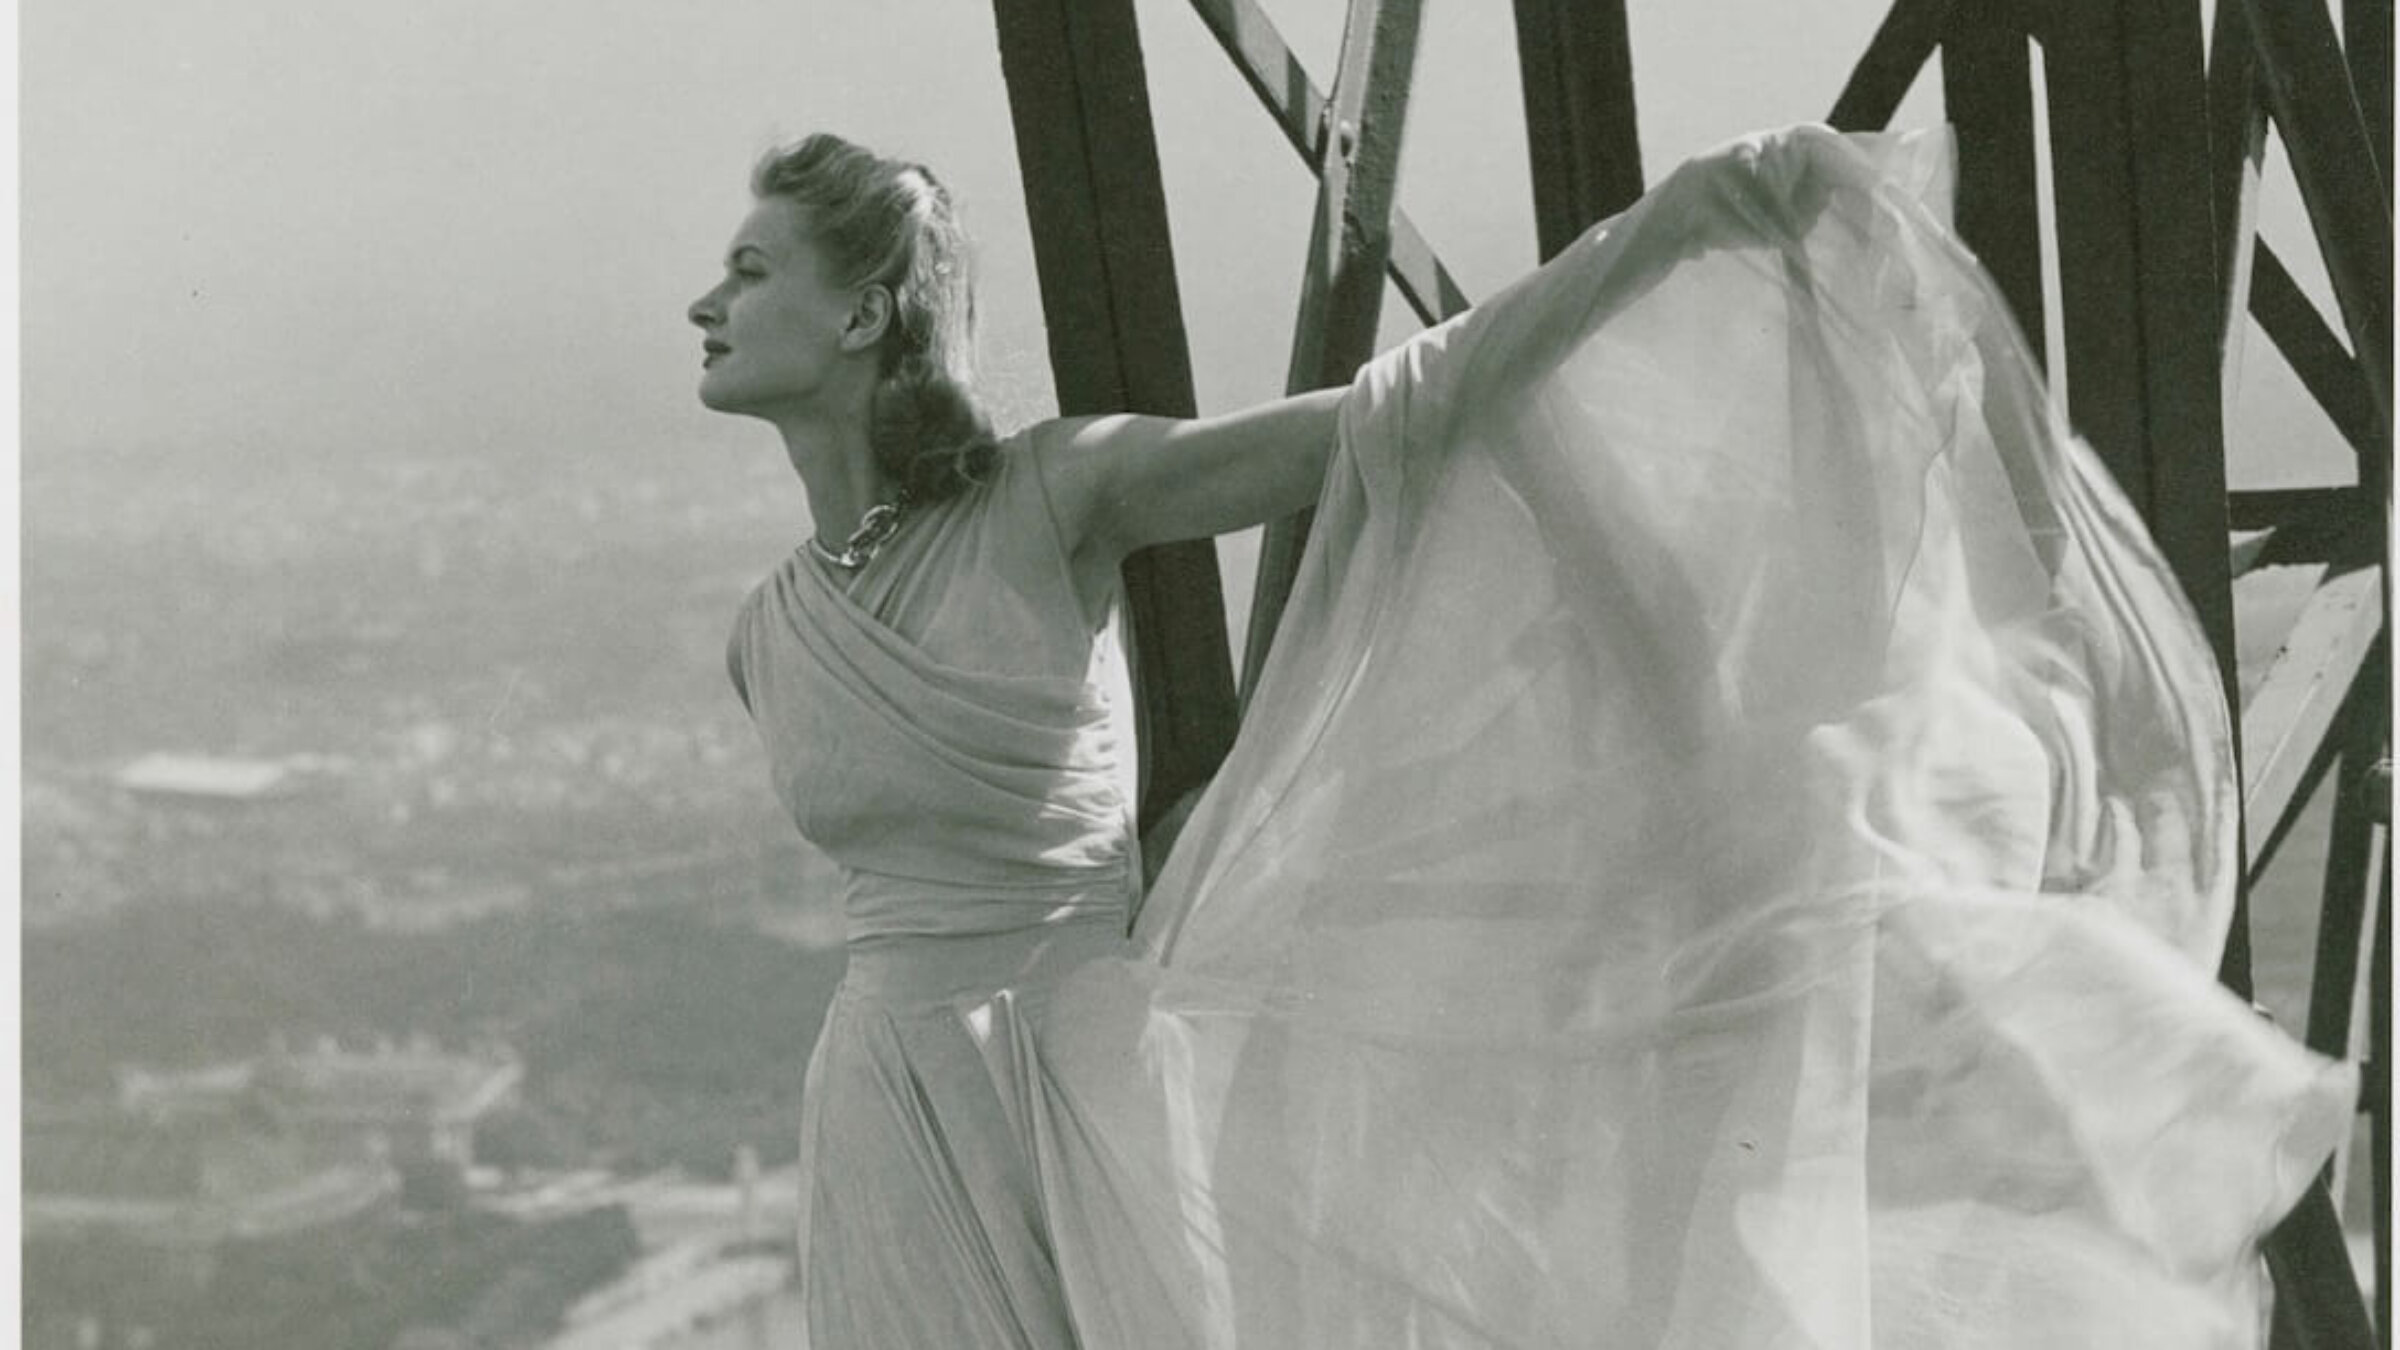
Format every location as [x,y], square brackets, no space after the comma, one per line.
[1726,853]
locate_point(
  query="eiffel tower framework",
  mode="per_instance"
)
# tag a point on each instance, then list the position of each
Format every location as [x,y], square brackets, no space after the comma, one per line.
[2160,124]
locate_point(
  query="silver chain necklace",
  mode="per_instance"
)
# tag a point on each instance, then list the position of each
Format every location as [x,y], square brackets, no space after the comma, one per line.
[875,529]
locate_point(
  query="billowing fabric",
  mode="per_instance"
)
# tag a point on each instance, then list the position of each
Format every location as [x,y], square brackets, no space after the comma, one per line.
[1729,851]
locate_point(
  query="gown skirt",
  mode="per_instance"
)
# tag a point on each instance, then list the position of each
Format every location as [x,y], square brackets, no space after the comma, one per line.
[1729,852]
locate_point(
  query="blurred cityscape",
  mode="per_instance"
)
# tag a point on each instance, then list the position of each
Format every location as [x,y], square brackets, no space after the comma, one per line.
[414,955]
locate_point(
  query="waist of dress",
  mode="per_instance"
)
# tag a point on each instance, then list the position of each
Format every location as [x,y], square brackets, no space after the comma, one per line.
[916,969]
[877,905]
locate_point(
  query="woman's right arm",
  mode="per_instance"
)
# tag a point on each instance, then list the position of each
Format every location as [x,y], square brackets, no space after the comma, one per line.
[1124,482]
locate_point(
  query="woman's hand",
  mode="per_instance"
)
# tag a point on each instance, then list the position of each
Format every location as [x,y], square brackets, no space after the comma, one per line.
[1123,482]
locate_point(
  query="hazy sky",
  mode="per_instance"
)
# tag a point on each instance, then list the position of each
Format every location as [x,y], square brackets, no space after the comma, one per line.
[361,226]
[255,227]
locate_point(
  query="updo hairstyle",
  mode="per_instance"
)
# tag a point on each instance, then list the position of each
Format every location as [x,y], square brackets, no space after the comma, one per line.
[891,222]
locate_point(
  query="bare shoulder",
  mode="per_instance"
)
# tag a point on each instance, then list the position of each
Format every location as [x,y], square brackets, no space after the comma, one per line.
[1074,459]
[1082,461]
[1124,481]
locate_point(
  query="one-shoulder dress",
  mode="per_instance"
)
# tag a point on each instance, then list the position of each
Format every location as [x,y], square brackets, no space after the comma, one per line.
[1729,851]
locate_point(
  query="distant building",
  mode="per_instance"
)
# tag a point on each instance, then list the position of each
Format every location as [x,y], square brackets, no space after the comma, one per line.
[183,1186]
[417,1101]
[263,1193]
[203,778]
[187,1160]
[420,1100]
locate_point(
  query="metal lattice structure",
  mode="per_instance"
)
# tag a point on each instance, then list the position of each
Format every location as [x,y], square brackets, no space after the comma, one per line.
[2159,132]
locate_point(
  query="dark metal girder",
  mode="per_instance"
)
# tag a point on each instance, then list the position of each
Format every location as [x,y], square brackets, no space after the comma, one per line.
[2237,137]
[2317,1301]
[2137,276]
[1987,85]
[2346,922]
[2378,1089]
[2309,346]
[2334,161]
[2337,526]
[1080,103]
[1283,87]
[2091,143]
[1902,44]
[2286,747]
[2311,508]
[2367,45]
[1575,64]
[2165,69]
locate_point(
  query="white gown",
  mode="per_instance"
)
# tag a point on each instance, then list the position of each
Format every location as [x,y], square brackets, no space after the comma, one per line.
[1729,852]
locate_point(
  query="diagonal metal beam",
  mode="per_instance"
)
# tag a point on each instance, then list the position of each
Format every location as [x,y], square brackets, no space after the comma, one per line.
[1265,63]
[1349,250]
[2285,722]
[1902,45]
[2333,159]
[2325,367]
[2346,921]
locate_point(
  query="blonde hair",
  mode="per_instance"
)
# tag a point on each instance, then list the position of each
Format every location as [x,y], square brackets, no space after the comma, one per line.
[892,223]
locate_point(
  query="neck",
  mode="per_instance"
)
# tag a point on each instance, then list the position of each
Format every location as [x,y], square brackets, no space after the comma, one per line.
[837,467]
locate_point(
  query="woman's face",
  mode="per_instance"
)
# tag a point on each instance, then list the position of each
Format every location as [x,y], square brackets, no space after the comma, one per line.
[773,332]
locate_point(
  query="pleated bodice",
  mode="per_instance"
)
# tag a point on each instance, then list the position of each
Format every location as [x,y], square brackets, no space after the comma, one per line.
[948,724]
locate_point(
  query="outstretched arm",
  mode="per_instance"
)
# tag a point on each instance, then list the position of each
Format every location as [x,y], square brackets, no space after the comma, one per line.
[1124,482]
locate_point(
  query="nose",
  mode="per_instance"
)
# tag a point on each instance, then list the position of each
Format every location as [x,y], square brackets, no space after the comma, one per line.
[704,311]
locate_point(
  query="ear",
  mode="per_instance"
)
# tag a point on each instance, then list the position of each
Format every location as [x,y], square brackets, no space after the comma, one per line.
[871,317]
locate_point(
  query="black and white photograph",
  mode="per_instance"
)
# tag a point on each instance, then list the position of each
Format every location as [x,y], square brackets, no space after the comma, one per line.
[1204,674]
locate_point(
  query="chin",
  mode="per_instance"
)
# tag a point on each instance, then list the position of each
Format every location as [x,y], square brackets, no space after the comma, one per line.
[768,403]
[715,397]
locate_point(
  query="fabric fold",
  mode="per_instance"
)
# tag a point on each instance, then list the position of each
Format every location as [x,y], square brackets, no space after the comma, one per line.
[1728,850]
[993,789]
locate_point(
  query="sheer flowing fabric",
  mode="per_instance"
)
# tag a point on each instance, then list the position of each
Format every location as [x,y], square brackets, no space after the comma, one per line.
[1730,851]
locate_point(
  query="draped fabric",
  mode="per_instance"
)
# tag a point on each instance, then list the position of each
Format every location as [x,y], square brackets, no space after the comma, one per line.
[1729,851]
[950,730]
[952,733]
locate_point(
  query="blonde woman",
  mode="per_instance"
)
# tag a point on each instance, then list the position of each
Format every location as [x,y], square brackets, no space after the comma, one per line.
[1728,851]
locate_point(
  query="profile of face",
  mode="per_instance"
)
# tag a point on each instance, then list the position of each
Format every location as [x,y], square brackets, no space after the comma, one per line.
[778,339]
